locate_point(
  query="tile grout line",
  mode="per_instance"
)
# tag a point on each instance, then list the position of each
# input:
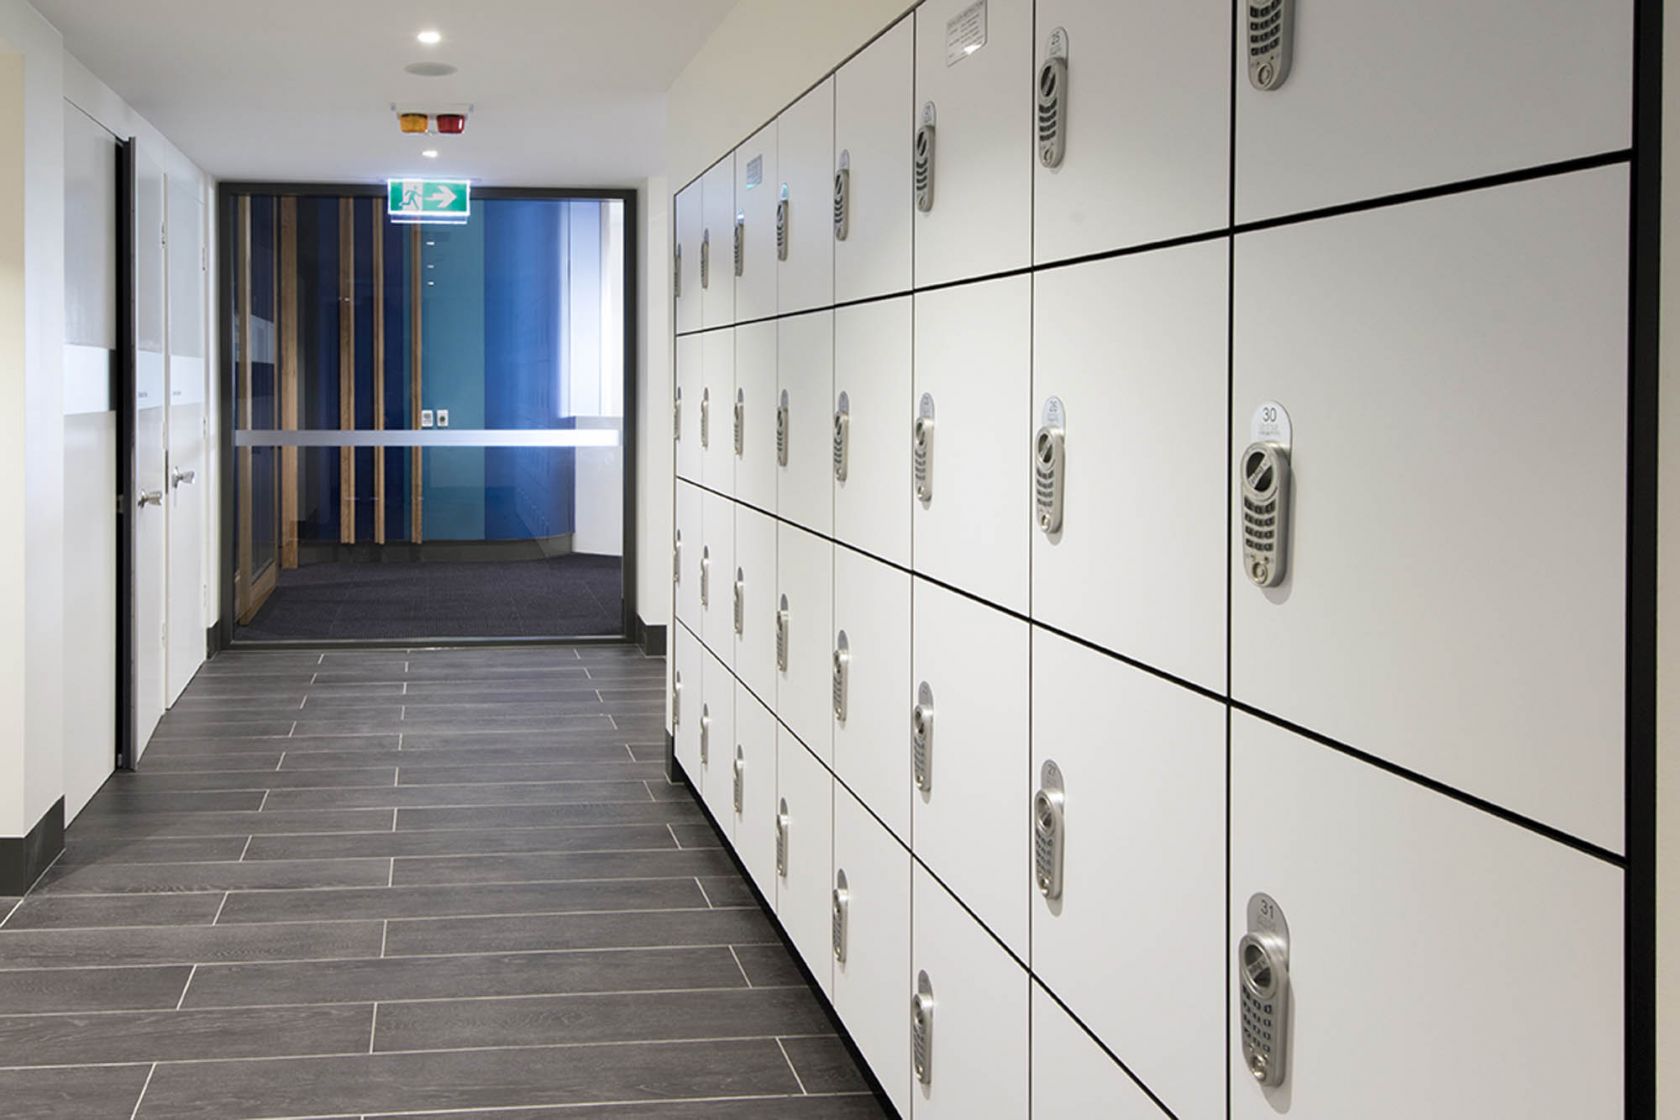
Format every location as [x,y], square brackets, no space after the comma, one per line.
[373,1026]
[13,909]
[391,877]
[150,1073]
[732,953]
[703,893]
[675,839]
[800,1081]
[242,851]
[277,765]
[180,1003]
[385,939]
[219,908]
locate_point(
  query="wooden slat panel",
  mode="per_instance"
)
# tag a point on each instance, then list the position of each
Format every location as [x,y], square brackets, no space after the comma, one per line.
[347,367]
[378,376]
[288,381]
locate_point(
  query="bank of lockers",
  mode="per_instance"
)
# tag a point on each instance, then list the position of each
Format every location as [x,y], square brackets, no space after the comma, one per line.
[873,419]
[873,134]
[752,249]
[804,219]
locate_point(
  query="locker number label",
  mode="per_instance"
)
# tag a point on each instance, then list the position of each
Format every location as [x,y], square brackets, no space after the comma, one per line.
[755,172]
[1271,424]
[965,32]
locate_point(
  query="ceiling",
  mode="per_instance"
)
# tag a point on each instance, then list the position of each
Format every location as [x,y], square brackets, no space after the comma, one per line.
[564,92]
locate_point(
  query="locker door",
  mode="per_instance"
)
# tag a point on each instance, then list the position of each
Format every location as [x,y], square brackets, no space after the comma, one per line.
[1143,122]
[805,809]
[974,365]
[689,547]
[872,347]
[690,384]
[717,235]
[1387,98]
[755,394]
[717,577]
[872,978]
[717,411]
[1428,355]
[717,741]
[755,568]
[1142,867]
[873,134]
[976,1046]
[805,158]
[977,74]
[969,821]
[805,567]
[1072,1077]
[688,699]
[1135,350]
[690,221]
[805,365]
[756,187]
[1442,962]
[872,737]
[752,790]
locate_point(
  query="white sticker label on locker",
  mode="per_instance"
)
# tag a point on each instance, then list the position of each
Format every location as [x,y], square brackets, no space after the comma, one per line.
[755,172]
[1055,413]
[965,32]
[1271,425]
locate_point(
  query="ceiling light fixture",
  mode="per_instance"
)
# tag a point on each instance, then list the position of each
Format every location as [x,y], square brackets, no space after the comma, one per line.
[430,153]
[431,37]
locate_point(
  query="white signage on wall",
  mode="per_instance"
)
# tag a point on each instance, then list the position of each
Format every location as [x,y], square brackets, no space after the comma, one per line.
[965,32]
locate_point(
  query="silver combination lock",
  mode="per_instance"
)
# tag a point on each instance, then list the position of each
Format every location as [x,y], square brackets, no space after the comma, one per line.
[781,839]
[782,636]
[842,663]
[676,558]
[921,737]
[706,417]
[676,414]
[676,698]
[921,1030]
[1049,455]
[1265,513]
[705,734]
[1052,101]
[1263,970]
[840,902]
[843,197]
[1048,826]
[740,776]
[782,430]
[705,576]
[740,244]
[740,601]
[740,421]
[782,225]
[676,273]
[705,259]
[921,449]
[923,158]
[1271,33]
[842,437]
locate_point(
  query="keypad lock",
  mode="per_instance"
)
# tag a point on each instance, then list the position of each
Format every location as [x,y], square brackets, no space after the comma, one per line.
[842,665]
[1271,33]
[1049,454]
[922,164]
[839,904]
[676,415]
[782,430]
[740,776]
[1052,101]
[740,421]
[781,839]
[676,558]
[782,225]
[921,738]
[843,197]
[921,449]
[1263,972]
[921,1030]
[740,601]
[1048,828]
[676,273]
[842,437]
[705,576]
[740,244]
[706,417]
[676,698]
[782,636]
[1265,512]
[705,734]
[705,259]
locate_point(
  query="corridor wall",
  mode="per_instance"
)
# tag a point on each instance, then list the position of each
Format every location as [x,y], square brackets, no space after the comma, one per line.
[975,343]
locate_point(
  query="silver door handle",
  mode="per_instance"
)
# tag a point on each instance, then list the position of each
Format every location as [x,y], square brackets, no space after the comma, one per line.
[177,476]
[151,498]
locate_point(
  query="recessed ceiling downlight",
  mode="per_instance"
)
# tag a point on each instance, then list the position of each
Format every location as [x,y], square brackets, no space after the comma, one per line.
[430,69]
[431,37]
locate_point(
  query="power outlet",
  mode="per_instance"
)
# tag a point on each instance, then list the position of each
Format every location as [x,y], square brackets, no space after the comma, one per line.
[426,418]
[443,418]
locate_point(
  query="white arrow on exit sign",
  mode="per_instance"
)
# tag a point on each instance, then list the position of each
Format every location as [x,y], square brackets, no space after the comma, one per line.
[429,200]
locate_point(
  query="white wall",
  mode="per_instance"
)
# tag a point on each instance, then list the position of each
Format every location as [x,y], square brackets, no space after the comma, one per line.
[653,404]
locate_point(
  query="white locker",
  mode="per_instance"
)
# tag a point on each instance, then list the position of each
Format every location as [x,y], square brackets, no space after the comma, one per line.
[688,689]
[873,134]
[1072,1077]
[975,1014]
[972,522]
[690,386]
[805,566]
[1441,962]
[756,577]
[717,410]
[717,240]
[754,261]
[1134,349]
[689,547]
[805,216]
[970,761]
[1447,606]
[1133,128]
[1380,99]
[717,577]
[974,67]
[690,220]
[870,678]
[872,383]
[717,739]
[870,941]
[755,398]
[805,365]
[805,818]
[1137,858]
[752,790]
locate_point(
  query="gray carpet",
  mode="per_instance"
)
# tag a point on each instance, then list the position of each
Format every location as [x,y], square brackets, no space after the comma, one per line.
[565,597]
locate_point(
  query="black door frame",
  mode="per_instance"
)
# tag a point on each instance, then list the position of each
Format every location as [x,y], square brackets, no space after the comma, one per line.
[123,401]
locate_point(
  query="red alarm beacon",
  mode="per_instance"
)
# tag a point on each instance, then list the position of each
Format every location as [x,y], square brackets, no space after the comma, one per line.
[451,124]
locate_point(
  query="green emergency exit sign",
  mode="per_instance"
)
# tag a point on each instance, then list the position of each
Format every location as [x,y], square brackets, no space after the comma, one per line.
[429,200]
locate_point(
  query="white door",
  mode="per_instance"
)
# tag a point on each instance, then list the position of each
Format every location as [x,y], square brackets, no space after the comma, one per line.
[871,685]
[690,387]
[689,547]
[972,1063]
[805,820]
[150,499]
[804,156]
[753,790]
[872,382]
[717,740]
[717,577]
[755,577]
[188,484]
[805,600]
[717,411]
[873,133]
[686,268]
[756,401]
[1071,1076]
[753,260]
[805,371]
[688,686]
[717,234]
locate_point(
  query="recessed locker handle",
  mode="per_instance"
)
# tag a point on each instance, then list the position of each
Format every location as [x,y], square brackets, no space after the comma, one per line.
[921,1030]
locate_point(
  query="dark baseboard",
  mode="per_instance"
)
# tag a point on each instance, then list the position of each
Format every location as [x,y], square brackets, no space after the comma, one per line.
[672,774]
[405,552]
[650,638]
[212,641]
[23,858]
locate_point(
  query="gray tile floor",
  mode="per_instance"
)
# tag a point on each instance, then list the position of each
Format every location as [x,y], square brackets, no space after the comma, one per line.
[441,883]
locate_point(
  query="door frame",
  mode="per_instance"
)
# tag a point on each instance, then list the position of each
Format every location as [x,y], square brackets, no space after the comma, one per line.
[123,399]
[227,204]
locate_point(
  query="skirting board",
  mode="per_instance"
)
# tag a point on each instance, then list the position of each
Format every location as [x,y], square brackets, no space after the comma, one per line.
[651,639]
[23,858]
